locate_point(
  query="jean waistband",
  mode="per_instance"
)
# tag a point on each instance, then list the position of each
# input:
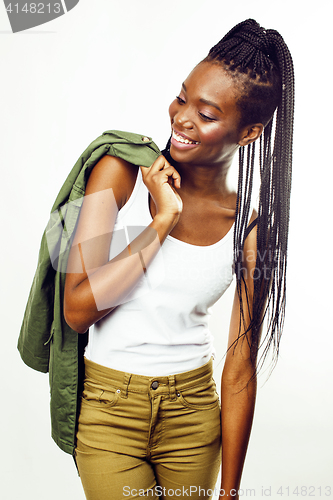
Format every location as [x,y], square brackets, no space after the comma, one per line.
[141,383]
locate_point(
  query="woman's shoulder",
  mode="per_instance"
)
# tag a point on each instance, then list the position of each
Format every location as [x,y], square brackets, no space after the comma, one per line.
[253,217]
[113,173]
[250,243]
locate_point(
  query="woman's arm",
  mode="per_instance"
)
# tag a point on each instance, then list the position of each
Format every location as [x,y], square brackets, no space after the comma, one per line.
[238,386]
[94,285]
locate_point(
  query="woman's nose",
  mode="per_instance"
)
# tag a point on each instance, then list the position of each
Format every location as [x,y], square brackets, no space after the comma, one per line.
[183,118]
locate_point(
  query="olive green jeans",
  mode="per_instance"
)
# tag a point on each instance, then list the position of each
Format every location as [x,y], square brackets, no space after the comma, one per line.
[148,437]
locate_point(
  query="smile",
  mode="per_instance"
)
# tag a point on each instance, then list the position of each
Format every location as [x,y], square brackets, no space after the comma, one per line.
[179,141]
[180,138]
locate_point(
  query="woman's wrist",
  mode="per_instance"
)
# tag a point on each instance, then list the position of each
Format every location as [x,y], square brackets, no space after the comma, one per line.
[164,224]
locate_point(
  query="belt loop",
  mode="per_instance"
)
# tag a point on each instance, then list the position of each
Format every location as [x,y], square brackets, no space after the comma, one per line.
[126,382]
[172,388]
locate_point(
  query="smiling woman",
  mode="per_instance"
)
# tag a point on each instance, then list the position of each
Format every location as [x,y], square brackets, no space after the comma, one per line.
[154,248]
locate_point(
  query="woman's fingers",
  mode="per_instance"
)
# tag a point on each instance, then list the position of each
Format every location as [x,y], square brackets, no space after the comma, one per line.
[168,172]
[160,163]
[173,176]
[162,180]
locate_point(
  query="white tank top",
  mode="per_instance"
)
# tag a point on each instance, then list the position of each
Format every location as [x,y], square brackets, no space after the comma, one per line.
[162,328]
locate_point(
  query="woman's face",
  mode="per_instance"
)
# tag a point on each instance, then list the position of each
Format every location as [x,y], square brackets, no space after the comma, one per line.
[204,117]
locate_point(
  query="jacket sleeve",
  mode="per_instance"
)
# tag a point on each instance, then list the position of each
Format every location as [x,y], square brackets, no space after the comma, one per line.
[35,334]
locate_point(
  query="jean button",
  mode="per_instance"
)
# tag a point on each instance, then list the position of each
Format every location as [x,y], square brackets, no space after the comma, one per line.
[154,385]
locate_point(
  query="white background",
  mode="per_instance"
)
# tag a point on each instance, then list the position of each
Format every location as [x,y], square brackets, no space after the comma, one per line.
[117,65]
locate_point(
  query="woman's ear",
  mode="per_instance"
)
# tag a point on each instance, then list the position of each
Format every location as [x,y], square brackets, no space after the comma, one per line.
[250,134]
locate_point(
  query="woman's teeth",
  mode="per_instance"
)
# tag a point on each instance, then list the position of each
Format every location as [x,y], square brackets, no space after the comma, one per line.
[179,138]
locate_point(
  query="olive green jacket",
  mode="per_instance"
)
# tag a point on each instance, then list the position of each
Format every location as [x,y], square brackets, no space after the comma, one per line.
[46,342]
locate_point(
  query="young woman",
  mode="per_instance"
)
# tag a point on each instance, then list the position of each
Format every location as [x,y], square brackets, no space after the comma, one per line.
[150,421]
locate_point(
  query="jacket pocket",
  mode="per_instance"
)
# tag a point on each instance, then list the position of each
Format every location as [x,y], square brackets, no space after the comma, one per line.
[203,397]
[97,397]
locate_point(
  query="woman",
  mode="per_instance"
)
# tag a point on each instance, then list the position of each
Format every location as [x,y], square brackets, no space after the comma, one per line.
[150,421]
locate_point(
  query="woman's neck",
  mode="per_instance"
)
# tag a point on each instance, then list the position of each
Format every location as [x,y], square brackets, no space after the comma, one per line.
[203,181]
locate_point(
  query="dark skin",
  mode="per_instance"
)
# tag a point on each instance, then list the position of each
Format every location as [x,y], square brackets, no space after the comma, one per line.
[191,202]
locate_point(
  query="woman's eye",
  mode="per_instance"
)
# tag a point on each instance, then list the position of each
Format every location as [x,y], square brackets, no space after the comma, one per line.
[180,100]
[206,118]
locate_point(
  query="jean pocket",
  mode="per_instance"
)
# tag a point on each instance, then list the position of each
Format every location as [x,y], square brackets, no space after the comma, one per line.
[97,397]
[202,397]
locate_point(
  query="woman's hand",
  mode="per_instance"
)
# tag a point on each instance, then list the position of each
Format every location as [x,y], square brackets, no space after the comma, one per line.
[162,180]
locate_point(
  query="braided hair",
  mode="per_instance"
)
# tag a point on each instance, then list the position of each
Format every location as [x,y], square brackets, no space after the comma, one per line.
[261,65]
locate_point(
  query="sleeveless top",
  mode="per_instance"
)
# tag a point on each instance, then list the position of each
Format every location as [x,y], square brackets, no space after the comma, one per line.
[162,328]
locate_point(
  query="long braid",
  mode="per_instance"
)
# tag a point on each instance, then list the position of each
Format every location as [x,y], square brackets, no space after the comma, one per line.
[265,59]
[261,65]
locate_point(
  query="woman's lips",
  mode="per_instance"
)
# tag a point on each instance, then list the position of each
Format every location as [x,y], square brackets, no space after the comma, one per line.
[182,142]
